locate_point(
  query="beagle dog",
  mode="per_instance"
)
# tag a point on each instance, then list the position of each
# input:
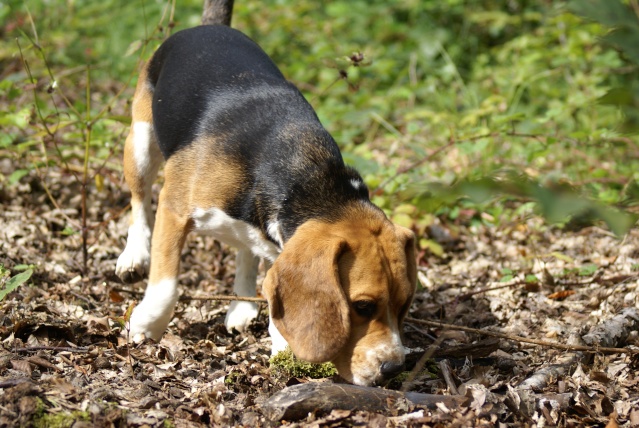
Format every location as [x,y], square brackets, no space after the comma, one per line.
[248,162]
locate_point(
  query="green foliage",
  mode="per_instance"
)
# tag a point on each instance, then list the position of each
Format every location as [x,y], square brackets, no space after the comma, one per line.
[286,363]
[443,106]
[623,21]
[8,285]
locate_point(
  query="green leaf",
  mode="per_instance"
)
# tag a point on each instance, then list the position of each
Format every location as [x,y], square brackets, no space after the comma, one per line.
[561,256]
[531,279]
[435,248]
[588,270]
[619,222]
[14,282]
[611,13]
[68,231]
[129,311]
[17,175]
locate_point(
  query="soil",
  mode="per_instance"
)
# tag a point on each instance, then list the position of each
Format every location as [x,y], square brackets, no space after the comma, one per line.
[65,359]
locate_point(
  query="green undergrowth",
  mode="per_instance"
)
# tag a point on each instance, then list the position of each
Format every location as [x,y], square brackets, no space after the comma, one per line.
[288,365]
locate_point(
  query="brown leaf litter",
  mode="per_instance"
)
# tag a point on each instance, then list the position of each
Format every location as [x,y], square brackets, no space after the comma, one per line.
[63,354]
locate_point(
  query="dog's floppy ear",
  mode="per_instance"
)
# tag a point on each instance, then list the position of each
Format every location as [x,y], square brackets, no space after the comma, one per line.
[306,300]
[408,238]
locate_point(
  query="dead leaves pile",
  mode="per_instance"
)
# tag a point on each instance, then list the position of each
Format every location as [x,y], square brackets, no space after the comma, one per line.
[63,355]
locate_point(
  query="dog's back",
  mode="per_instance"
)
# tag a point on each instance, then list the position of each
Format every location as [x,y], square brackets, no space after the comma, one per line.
[210,74]
[221,84]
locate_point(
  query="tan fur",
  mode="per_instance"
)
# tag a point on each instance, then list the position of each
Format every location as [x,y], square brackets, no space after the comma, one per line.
[203,178]
[169,234]
[195,177]
[141,112]
[324,268]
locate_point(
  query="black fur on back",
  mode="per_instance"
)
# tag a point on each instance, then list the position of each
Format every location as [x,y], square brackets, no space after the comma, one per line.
[214,80]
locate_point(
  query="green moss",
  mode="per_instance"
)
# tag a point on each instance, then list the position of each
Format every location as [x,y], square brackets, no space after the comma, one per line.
[40,409]
[398,381]
[59,420]
[286,363]
[232,377]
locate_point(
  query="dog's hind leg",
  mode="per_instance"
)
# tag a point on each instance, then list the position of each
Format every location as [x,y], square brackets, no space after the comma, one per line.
[142,159]
[240,314]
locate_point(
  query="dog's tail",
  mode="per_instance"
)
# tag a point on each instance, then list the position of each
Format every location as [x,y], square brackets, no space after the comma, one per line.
[217,12]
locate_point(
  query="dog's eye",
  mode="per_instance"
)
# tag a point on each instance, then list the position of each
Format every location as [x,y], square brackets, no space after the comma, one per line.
[365,308]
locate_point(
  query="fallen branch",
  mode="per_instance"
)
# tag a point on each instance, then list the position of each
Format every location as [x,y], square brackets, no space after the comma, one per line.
[547,375]
[614,331]
[590,349]
[609,332]
[296,402]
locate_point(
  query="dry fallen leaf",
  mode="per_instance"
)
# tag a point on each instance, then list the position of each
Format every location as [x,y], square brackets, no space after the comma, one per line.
[560,295]
[23,366]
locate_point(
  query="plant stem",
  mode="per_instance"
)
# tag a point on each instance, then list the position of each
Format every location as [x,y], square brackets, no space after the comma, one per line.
[85,173]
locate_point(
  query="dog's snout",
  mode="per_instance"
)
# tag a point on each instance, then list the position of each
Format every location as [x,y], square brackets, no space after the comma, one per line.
[390,369]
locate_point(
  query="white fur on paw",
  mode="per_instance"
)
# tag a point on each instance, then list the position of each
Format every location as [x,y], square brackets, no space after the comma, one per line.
[133,261]
[152,315]
[240,315]
[145,324]
[136,256]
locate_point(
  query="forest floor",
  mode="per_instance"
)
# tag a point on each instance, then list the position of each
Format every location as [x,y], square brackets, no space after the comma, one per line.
[65,362]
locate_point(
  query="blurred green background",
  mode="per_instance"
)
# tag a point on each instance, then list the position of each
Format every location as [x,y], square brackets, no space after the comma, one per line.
[489,110]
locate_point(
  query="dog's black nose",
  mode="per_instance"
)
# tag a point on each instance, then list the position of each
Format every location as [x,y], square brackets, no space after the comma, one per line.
[391,369]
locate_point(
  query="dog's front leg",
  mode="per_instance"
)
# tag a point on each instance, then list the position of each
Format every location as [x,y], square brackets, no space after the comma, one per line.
[151,317]
[240,314]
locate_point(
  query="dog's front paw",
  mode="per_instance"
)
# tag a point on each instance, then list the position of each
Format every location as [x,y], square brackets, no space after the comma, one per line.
[144,325]
[133,263]
[240,315]
[152,315]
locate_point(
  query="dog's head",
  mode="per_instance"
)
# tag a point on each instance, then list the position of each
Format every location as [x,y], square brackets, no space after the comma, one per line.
[339,292]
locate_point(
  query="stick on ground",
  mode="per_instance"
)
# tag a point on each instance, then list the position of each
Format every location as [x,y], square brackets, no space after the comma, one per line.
[297,401]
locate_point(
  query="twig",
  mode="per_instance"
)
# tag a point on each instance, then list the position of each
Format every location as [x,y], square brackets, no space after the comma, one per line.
[591,349]
[83,298]
[444,366]
[53,348]
[10,383]
[408,383]
[225,298]
[423,160]
[43,363]
[211,297]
